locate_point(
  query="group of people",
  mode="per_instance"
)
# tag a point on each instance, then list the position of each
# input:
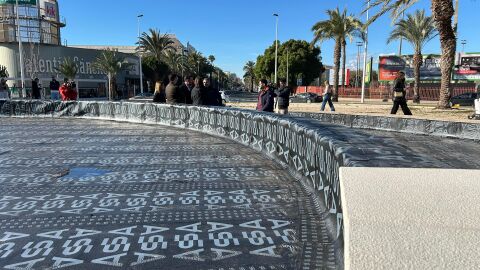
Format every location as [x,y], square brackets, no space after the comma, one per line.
[267,95]
[196,91]
[66,91]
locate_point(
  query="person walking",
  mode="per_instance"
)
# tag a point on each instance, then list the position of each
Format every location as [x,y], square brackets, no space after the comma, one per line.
[198,93]
[266,97]
[173,93]
[54,87]
[327,97]
[186,88]
[3,89]
[213,97]
[35,89]
[399,95]
[159,94]
[283,97]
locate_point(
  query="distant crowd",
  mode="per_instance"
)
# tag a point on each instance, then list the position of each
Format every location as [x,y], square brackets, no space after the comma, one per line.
[196,91]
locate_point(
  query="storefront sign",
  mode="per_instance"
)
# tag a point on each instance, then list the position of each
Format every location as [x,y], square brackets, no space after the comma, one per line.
[20,2]
[50,10]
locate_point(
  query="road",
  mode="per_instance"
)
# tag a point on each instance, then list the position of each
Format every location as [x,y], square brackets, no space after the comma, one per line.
[83,194]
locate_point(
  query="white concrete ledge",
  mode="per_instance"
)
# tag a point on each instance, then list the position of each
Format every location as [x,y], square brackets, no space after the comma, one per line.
[411,218]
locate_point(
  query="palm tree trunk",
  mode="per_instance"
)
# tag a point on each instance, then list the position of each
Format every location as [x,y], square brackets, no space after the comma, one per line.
[251,80]
[443,11]
[344,63]
[417,63]
[336,63]
[109,87]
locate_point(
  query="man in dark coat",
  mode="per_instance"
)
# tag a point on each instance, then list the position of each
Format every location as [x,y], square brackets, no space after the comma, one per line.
[266,97]
[198,93]
[213,97]
[186,88]
[173,93]
[54,87]
[35,89]
[283,97]
[399,95]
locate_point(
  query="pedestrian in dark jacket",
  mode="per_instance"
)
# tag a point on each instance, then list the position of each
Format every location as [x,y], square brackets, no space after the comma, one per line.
[186,88]
[198,93]
[283,97]
[399,95]
[35,89]
[173,93]
[266,97]
[159,94]
[213,97]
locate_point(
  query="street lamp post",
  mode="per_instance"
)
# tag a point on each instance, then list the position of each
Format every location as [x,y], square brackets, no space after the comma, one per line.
[365,58]
[276,45]
[20,49]
[464,41]
[359,44]
[140,55]
[287,67]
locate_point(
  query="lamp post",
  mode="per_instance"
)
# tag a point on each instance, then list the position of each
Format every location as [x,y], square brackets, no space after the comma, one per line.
[276,44]
[287,66]
[359,45]
[140,55]
[20,49]
[365,58]
[464,41]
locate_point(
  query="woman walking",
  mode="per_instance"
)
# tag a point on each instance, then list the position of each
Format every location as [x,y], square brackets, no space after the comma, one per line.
[399,95]
[327,97]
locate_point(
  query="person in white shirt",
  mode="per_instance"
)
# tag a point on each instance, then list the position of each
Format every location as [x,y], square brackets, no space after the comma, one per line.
[327,97]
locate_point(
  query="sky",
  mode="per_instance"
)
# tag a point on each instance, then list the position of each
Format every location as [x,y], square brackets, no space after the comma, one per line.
[237,31]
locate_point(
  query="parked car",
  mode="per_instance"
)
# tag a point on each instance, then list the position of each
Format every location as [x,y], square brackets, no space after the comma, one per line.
[141,96]
[225,97]
[306,98]
[465,99]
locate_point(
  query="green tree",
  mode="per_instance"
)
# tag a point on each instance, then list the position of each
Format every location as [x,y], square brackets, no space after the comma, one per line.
[442,13]
[303,60]
[110,62]
[417,29]
[249,70]
[339,27]
[68,69]
[3,72]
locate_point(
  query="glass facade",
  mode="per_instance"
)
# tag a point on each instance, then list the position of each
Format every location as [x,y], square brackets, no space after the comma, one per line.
[39,23]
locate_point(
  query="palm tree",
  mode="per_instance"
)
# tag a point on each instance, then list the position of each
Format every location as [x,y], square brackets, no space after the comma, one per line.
[211,58]
[68,68]
[442,13]
[155,44]
[417,29]
[250,72]
[338,27]
[110,62]
[194,60]
[174,61]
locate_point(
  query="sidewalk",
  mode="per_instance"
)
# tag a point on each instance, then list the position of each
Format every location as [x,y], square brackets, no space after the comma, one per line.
[424,110]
